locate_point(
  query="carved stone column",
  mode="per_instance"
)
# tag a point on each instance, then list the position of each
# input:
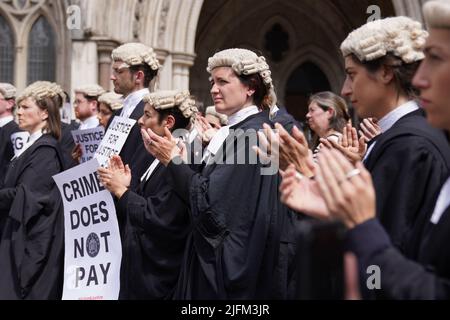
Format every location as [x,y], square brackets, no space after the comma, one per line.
[181,63]
[104,49]
[409,8]
[84,63]
[164,80]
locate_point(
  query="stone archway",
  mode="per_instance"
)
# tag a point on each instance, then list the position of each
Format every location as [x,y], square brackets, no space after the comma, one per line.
[305,80]
[168,26]
[313,31]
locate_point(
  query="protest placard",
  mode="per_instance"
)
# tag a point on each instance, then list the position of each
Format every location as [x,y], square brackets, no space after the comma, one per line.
[93,250]
[90,140]
[114,139]
[19,140]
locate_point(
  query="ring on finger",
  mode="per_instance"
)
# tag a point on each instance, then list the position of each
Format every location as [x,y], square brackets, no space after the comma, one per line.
[299,176]
[352,173]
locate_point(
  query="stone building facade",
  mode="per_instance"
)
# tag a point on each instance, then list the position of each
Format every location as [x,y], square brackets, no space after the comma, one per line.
[70,41]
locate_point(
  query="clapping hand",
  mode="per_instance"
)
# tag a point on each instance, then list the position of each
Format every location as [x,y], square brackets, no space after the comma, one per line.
[117,177]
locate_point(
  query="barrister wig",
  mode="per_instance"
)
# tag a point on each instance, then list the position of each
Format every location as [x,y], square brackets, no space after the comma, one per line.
[8,90]
[246,63]
[222,117]
[168,99]
[400,36]
[91,90]
[113,100]
[47,96]
[134,54]
[437,13]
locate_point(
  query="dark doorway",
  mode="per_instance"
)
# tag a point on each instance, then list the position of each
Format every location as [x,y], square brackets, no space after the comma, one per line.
[304,81]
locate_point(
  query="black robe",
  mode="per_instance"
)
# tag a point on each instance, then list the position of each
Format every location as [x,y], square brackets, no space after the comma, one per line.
[408,163]
[32,239]
[427,277]
[67,144]
[287,264]
[233,249]
[154,230]
[6,148]
[285,119]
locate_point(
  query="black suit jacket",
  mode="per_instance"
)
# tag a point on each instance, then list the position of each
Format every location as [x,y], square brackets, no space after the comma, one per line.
[409,163]
[427,277]
[67,144]
[6,148]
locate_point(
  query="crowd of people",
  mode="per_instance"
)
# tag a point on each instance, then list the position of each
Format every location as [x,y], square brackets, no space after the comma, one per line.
[224,221]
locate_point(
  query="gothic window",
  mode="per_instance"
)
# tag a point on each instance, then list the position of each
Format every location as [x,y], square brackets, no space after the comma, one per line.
[41,52]
[277,42]
[6,52]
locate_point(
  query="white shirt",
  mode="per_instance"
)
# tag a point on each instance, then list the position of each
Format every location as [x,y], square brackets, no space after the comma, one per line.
[442,202]
[335,136]
[221,135]
[32,139]
[150,170]
[89,123]
[131,101]
[391,118]
[273,112]
[4,121]
[241,115]
[192,135]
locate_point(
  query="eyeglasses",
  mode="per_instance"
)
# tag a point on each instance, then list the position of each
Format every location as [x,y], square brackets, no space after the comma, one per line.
[105,113]
[78,102]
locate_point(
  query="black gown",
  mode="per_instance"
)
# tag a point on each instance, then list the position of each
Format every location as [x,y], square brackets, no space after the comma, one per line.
[286,269]
[67,144]
[6,148]
[32,238]
[154,230]
[427,277]
[409,163]
[233,249]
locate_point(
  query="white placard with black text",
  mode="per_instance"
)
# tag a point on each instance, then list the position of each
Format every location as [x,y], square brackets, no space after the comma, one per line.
[19,140]
[114,139]
[93,250]
[89,140]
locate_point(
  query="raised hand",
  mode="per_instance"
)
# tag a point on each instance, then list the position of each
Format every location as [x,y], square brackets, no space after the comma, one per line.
[287,149]
[77,153]
[117,177]
[369,129]
[294,149]
[162,148]
[348,190]
[205,130]
[269,142]
[302,194]
[350,146]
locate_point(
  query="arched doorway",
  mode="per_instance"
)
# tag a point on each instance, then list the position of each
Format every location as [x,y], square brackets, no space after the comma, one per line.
[287,33]
[304,81]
